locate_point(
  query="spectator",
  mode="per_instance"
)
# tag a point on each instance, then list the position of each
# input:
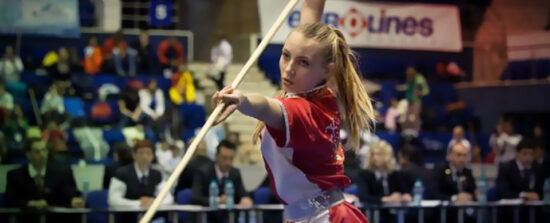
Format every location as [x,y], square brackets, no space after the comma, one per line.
[170,53]
[520,178]
[412,165]
[415,89]
[129,106]
[380,182]
[221,172]
[41,184]
[117,40]
[539,137]
[183,91]
[168,156]
[137,184]
[221,56]
[61,69]
[93,58]
[458,137]
[503,142]
[6,101]
[124,59]
[199,160]
[455,182]
[390,121]
[10,66]
[151,100]
[15,133]
[122,156]
[144,52]
[53,108]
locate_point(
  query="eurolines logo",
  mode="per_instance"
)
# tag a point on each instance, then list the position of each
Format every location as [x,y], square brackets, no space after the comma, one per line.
[354,23]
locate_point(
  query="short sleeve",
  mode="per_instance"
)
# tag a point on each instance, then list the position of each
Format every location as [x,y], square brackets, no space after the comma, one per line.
[297,118]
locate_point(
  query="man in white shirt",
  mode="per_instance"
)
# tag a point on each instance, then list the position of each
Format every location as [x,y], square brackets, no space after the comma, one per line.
[136,185]
[458,137]
[221,56]
[151,101]
[504,142]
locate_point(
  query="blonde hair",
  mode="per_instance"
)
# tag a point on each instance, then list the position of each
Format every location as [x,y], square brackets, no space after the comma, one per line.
[358,113]
[387,151]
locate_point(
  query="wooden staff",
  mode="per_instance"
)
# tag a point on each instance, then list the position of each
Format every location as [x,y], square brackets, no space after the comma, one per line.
[189,153]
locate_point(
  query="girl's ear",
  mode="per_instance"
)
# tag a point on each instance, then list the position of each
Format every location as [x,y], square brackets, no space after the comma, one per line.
[331,69]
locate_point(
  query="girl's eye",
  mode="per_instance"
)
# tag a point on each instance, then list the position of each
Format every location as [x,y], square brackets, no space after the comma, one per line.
[304,63]
[286,55]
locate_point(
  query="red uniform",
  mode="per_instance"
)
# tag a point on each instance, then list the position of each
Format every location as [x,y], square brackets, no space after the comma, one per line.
[306,158]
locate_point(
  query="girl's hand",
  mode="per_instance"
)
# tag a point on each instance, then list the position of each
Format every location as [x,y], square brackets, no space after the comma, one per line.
[231,98]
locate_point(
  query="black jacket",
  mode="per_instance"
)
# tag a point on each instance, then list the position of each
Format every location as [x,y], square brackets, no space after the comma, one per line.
[135,189]
[59,187]
[371,190]
[509,183]
[201,184]
[445,185]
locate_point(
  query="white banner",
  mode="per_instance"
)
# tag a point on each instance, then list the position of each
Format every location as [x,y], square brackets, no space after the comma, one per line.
[379,25]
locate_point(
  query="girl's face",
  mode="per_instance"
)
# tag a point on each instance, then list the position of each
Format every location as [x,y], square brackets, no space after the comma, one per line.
[303,64]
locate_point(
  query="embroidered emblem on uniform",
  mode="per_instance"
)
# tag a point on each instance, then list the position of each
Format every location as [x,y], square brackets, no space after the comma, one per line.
[334,132]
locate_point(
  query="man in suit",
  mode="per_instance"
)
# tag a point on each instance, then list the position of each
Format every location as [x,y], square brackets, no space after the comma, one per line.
[137,184]
[455,182]
[199,159]
[40,184]
[521,178]
[221,171]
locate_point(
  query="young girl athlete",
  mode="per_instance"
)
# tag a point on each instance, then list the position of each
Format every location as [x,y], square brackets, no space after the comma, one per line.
[300,131]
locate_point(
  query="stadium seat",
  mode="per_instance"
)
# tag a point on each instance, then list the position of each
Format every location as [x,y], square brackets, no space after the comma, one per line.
[183,197]
[97,200]
[74,107]
[261,195]
[492,194]
[113,135]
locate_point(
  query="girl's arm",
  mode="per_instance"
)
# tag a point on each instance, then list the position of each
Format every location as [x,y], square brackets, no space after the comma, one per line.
[257,106]
[312,11]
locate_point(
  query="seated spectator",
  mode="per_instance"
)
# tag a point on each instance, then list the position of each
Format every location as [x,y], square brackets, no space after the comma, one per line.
[124,59]
[137,184]
[168,156]
[170,53]
[41,184]
[390,120]
[199,160]
[458,137]
[380,182]
[145,52]
[53,108]
[521,178]
[151,100]
[15,133]
[221,172]
[412,166]
[539,138]
[221,55]
[455,182]
[11,67]
[129,107]
[92,57]
[109,44]
[504,141]
[122,156]
[183,91]
[61,68]
[6,102]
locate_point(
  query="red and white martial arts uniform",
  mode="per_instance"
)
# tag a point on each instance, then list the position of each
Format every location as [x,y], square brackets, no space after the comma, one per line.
[305,160]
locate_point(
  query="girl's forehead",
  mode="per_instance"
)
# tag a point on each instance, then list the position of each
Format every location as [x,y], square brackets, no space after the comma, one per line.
[298,44]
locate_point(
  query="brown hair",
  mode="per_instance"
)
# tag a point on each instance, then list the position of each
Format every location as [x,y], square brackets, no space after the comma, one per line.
[358,113]
[142,144]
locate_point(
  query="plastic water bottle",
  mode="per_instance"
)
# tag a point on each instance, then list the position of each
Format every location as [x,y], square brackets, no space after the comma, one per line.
[482,191]
[418,192]
[546,191]
[213,194]
[230,194]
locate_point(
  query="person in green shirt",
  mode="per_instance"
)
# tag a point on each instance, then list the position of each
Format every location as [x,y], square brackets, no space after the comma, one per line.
[415,89]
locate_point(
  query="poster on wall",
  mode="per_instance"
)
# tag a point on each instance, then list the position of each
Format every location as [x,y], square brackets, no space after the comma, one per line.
[404,26]
[41,17]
